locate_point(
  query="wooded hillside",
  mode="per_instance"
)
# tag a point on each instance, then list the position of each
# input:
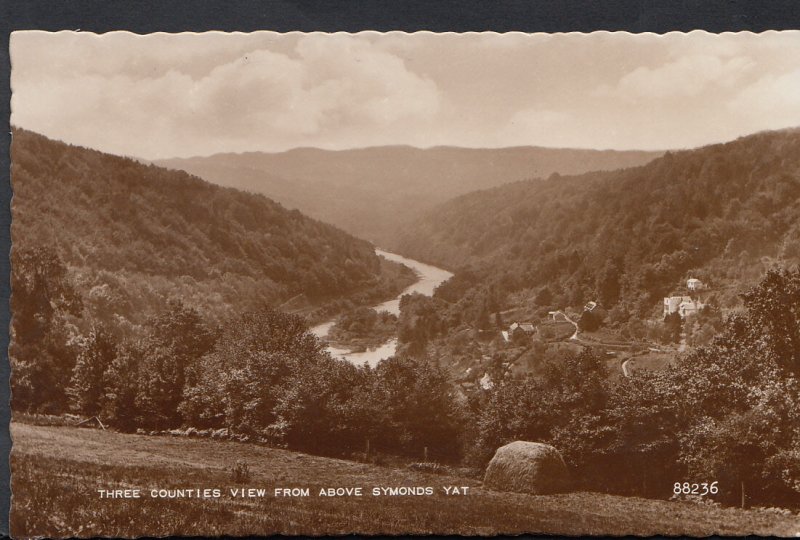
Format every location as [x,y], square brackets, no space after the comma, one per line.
[720,213]
[133,236]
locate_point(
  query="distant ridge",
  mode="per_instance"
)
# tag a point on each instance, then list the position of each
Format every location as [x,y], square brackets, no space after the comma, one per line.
[374,192]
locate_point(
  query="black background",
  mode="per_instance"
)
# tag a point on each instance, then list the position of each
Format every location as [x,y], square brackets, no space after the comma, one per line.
[383,15]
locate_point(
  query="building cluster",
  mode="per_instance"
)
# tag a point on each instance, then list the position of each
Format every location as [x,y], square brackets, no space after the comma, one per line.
[525,328]
[685,305]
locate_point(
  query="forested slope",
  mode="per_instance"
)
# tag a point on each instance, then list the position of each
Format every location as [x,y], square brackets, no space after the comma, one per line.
[721,213]
[133,236]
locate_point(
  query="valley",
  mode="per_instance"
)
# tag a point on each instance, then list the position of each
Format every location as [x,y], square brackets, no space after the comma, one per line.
[374,192]
[404,283]
[524,312]
[130,238]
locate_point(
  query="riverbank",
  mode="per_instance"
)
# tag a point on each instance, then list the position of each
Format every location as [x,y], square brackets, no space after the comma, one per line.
[428,278]
[362,329]
[395,278]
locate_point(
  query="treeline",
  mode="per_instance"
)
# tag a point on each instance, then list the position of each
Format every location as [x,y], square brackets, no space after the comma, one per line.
[133,235]
[260,375]
[264,378]
[728,412]
[627,238]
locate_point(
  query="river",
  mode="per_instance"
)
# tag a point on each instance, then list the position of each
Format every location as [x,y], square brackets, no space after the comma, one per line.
[429,278]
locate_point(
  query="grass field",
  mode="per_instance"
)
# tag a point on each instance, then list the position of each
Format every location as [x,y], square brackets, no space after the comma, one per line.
[650,361]
[58,470]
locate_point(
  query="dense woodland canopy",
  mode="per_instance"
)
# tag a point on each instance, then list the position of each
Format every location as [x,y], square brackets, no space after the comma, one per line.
[721,213]
[132,236]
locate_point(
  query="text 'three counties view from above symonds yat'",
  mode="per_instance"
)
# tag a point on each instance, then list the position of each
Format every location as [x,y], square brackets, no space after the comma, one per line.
[395,283]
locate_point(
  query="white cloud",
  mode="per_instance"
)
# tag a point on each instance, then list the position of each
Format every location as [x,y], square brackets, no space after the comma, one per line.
[683,77]
[773,101]
[164,95]
[260,96]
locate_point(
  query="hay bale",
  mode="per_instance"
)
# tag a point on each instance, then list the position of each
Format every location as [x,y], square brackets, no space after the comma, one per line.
[527,467]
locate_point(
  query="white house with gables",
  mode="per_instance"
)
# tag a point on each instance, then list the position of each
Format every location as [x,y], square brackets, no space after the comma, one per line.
[695,284]
[683,305]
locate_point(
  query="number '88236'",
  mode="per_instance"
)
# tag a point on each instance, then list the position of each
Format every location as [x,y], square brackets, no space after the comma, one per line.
[703,488]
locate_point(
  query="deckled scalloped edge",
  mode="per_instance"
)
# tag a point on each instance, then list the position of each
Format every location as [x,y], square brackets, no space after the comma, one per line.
[514,33]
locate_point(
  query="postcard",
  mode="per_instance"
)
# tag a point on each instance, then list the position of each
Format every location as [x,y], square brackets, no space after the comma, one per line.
[405,283]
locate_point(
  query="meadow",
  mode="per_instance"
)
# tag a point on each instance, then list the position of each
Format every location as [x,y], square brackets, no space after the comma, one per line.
[57,470]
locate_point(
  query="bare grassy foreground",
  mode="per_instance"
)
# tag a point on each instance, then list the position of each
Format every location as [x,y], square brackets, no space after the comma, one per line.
[57,471]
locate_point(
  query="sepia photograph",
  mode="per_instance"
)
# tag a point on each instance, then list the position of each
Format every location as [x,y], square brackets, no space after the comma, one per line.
[397,283]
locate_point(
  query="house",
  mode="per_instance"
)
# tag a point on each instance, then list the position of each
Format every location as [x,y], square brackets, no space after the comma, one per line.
[526,327]
[683,305]
[519,331]
[671,304]
[690,307]
[590,306]
[695,284]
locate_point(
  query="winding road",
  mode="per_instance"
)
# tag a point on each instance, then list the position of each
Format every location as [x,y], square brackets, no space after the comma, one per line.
[625,367]
[573,337]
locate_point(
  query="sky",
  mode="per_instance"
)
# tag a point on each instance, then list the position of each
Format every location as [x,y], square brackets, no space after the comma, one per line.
[178,95]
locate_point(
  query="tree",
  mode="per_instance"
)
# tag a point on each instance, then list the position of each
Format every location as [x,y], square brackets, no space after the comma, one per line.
[183,330]
[41,352]
[544,297]
[570,391]
[482,320]
[589,322]
[773,316]
[121,381]
[415,401]
[87,386]
[498,320]
[642,426]
[513,410]
[673,326]
[241,380]
[327,408]
[158,394]
[169,362]
[420,321]
[608,284]
[740,398]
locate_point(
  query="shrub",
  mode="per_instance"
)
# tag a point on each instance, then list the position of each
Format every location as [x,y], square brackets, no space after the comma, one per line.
[427,467]
[240,473]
